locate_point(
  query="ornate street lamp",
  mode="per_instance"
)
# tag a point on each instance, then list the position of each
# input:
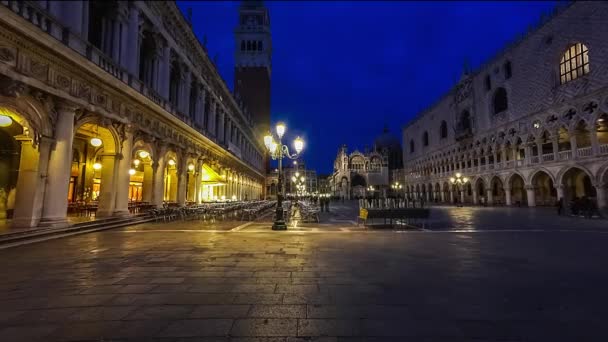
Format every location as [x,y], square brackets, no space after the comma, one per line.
[459,181]
[278,151]
[397,187]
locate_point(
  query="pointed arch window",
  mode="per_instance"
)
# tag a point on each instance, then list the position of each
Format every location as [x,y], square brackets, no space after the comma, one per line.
[574,63]
[500,102]
[425,138]
[412,146]
[443,130]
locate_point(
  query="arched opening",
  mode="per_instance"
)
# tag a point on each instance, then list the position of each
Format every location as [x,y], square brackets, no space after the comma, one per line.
[358,185]
[480,191]
[546,145]
[518,191]
[464,122]
[544,190]
[102,15]
[175,78]
[425,138]
[412,147]
[563,140]
[91,190]
[10,156]
[578,186]
[582,136]
[446,192]
[443,130]
[170,178]
[498,191]
[149,59]
[500,102]
[602,132]
[574,63]
[141,176]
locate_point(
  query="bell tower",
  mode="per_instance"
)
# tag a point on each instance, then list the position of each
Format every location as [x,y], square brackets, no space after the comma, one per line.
[253,59]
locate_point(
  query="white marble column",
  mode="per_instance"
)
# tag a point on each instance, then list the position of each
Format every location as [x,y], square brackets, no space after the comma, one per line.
[26,197]
[148,183]
[158,169]
[108,186]
[601,190]
[123,177]
[181,184]
[560,191]
[530,195]
[55,207]
[489,197]
[508,200]
[475,199]
[198,180]
[573,146]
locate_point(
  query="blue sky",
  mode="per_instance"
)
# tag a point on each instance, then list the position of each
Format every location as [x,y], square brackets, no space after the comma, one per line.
[342,70]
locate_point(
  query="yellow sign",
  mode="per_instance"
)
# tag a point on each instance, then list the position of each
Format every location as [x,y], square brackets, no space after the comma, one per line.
[363,214]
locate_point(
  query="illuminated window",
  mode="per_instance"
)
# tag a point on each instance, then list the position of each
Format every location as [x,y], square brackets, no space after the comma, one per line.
[574,63]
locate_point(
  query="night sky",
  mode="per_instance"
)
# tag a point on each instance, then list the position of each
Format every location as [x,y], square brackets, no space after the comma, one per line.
[343,70]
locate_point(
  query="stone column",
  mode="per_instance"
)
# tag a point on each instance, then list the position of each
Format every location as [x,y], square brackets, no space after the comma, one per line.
[131,58]
[531,196]
[462,196]
[475,199]
[555,145]
[198,180]
[452,196]
[26,198]
[181,184]
[508,196]
[148,183]
[164,72]
[560,191]
[108,186]
[601,190]
[595,146]
[201,108]
[490,198]
[573,146]
[158,170]
[442,196]
[123,177]
[185,97]
[220,133]
[60,164]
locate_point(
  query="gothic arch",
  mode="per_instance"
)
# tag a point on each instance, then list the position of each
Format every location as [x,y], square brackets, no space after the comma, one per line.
[509,178]
[539,170]
[565,169]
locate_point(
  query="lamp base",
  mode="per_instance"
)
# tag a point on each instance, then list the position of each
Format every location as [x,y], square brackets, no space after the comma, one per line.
[279,225]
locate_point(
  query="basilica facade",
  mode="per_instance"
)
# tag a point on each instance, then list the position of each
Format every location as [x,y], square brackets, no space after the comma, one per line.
[110,103]
[359,174]
[527,128]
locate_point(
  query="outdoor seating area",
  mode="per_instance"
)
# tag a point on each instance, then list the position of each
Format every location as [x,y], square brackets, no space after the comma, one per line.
[249,210]
[304,211]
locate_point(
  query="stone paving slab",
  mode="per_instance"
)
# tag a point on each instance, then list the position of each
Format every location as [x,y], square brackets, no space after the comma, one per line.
[163,285]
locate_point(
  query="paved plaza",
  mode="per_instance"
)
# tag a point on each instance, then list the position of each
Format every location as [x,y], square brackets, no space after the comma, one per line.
[490,274]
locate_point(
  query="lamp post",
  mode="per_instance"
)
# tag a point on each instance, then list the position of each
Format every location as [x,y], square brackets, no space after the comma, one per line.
[397,187]
[459,181]
[299,182]
[278,151]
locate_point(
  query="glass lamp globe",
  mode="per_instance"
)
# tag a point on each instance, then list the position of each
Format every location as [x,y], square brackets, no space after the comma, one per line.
[143,154]
[96,166]
[268,140]
[5,121]
[280,129]
[171,162]
[191,167]
[298,144]
[96,142]
[136,162]
[273,147]
[131,172]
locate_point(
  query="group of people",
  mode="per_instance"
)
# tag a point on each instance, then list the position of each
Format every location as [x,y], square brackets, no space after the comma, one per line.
[578,206]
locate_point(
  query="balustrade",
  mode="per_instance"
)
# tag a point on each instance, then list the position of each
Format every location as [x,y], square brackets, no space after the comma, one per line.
[565,155]
[548,157]
[603,149]
[584,152]
[534,159]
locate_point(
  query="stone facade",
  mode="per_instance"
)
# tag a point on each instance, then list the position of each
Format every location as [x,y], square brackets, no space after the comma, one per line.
[355,172]
[134,76]
[529,127]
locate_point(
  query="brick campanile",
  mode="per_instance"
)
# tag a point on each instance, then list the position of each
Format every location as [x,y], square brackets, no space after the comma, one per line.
[253,59]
